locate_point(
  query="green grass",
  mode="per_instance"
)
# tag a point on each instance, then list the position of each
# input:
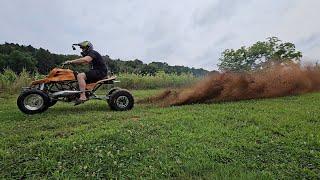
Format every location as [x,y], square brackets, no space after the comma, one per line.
[256,139]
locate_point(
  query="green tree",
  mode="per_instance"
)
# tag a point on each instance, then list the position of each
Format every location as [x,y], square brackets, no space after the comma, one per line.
[17,61]
[3,62]
[259,55]
[44,59]
[148,70]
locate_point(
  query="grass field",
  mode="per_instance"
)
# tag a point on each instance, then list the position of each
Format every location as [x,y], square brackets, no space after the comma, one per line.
[256,139]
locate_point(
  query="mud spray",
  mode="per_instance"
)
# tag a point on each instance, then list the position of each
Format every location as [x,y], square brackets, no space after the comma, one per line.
[273,82]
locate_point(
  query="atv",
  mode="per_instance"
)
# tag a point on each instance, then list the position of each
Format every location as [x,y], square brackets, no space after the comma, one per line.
[61,85]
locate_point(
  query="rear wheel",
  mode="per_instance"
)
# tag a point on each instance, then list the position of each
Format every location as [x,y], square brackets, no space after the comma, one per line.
[121,100]
[33,101]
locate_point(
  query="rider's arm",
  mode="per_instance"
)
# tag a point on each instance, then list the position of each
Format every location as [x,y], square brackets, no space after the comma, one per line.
[83,60]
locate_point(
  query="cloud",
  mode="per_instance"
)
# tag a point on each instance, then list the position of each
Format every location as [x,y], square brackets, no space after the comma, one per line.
[190,32]
[220,10]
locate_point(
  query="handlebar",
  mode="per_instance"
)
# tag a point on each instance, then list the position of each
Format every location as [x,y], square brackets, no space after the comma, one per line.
[64,65]
[73,46]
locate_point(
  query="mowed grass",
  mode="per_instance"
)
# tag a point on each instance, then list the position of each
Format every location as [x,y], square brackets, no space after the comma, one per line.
[255,139]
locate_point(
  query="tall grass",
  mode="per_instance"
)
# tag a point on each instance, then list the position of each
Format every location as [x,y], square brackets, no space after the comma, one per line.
[11,83]
[160,80]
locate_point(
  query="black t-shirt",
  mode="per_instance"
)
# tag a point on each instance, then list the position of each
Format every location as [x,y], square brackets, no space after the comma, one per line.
[97,62]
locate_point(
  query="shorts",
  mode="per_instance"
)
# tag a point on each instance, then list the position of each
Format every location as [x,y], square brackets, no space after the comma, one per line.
[94,76]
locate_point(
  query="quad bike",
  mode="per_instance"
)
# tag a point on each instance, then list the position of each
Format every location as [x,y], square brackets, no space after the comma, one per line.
[61,85]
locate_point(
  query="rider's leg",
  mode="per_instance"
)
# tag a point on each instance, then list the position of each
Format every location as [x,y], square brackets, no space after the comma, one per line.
[82,85]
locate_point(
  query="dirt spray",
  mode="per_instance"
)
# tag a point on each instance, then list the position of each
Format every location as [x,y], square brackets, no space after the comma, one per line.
[276,81]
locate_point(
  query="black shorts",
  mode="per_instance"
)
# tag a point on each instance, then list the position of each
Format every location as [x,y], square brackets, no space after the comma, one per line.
[94,75]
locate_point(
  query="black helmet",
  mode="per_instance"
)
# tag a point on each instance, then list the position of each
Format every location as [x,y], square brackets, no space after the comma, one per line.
[85,46]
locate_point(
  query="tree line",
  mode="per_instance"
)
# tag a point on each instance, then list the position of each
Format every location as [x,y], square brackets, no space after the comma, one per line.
[260,55]
[18,57]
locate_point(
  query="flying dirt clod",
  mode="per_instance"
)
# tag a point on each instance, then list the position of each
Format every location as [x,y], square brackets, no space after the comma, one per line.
[275,81]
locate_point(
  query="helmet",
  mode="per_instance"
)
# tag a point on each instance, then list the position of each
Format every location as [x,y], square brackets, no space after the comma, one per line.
[85,46]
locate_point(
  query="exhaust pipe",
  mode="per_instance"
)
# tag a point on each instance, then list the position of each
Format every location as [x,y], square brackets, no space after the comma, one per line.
[64,93]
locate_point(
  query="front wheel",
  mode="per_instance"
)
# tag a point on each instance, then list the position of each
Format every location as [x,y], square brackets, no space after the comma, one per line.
[121,100]
[33,101]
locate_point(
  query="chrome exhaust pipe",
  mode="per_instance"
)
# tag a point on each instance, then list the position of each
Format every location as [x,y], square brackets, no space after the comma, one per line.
[64,93]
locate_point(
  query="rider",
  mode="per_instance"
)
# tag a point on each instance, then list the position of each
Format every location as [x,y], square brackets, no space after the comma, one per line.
[98,68]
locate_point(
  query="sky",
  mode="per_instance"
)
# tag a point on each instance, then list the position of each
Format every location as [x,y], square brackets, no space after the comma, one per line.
[192,33]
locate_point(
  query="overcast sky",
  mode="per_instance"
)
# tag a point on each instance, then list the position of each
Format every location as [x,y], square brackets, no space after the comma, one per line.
[179,32]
